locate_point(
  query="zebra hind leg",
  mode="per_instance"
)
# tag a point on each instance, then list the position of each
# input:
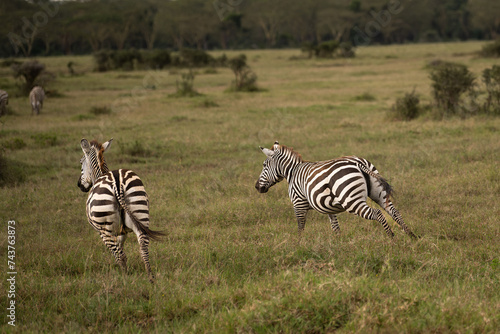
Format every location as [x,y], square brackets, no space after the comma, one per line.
[334,222]
[143,240]
[115,245]
[391,210]
[374,214]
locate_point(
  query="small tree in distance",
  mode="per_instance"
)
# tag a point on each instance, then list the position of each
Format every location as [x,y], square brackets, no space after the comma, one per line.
[30,72]
[449,82]
[244,78]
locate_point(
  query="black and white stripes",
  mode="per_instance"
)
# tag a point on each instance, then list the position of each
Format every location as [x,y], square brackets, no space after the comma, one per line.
[117,203]
[329,187]
[4,101]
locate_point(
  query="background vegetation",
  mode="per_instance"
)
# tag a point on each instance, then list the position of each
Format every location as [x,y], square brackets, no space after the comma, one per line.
[231,261]
[90,26]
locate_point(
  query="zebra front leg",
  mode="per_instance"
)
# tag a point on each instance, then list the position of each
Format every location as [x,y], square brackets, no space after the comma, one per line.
[391,210]
[334,222]
[301,214]
[115,245]
[143,240]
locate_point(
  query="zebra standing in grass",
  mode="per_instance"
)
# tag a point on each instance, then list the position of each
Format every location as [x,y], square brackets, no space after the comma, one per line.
[4,101]
[329,187]
[117,203]
[37,95]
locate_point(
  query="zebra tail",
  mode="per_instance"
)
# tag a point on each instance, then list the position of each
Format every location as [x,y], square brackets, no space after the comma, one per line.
[152,234]
[383,182]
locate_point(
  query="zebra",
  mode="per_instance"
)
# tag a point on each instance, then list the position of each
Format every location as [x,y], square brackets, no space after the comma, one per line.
[116,205]
[329,187]
[37,95]
[4,101]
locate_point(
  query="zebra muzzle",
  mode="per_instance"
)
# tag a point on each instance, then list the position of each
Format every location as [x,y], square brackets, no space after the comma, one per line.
[260,188]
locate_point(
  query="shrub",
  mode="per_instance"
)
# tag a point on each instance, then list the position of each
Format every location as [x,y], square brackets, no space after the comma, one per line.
[29,71]
[244,78]
[103,60]
[309,48]
[196,58]
[491,50]
[185,86]
[407,107]
[491,78]
[347,50]
[327,49]
[158,59]
[449,82]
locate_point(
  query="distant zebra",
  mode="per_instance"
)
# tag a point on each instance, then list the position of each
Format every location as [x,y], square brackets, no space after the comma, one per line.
[37,95]
[4,101]
[329,187]
[117,203]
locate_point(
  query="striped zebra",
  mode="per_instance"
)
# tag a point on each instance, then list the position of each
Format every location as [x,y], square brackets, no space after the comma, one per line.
[329,187]
[37,95]
[4,101]
[117,203]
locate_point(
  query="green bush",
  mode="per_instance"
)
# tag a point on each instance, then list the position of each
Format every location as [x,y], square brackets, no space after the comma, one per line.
[449,82]
[244,78]
[185,85]
[158,59]
[30,71]
[196,58]
[491,79]
[125,59]
[327,49]
[102,59]
[491,50]
[347,50]
[407,107]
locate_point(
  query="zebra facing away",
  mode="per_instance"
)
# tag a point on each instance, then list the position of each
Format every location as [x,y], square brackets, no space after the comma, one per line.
[117,203]
[329,187]
[4,101]
[37,95]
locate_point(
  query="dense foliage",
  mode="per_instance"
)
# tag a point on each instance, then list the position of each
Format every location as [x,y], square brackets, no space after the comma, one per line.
[82,27]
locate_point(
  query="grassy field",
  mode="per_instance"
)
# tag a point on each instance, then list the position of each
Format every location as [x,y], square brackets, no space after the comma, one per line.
[232,261]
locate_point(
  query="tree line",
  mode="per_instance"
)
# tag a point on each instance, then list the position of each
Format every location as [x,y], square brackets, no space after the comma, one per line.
[42,27]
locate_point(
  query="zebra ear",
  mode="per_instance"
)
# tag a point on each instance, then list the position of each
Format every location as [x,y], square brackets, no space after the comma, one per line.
[84,143]
[267,151]
[107,144]
[276,145]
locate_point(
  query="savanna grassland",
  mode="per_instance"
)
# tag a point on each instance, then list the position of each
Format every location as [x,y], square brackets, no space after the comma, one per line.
[232,260]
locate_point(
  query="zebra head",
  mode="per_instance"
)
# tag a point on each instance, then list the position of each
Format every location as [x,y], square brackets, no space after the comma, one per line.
[270,174]
[93,163]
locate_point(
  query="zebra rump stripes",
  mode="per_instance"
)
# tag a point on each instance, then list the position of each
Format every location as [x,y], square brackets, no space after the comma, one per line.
[329,187]
[4,101]
[117,204]
[37,95]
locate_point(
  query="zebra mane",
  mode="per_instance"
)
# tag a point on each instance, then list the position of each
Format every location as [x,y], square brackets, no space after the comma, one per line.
[290,151]
[100,155]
